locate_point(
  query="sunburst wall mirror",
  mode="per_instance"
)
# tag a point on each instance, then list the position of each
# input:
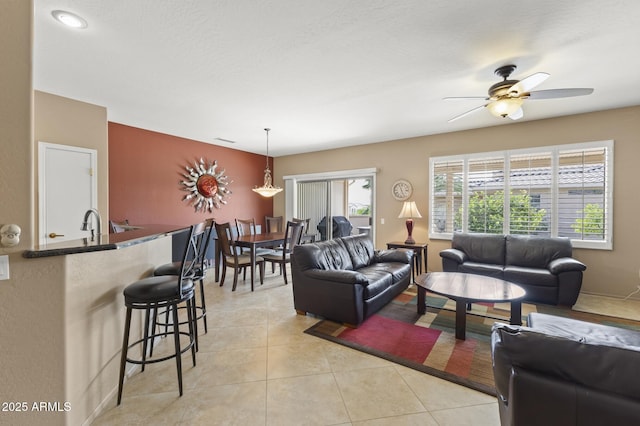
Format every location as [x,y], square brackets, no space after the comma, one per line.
[207,187]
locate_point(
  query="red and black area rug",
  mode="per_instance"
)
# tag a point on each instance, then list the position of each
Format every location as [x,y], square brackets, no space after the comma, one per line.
[427,342]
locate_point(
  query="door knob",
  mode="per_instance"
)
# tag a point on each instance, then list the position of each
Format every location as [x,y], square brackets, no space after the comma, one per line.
[53,235]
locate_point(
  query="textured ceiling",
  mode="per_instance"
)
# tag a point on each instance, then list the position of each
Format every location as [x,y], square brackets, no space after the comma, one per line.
[330,73]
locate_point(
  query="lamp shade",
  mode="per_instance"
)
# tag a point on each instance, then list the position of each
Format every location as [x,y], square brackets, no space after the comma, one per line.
[504,107]
[409,210]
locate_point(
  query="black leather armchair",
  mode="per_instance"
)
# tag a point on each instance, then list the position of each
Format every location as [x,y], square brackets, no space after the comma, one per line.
[560,371]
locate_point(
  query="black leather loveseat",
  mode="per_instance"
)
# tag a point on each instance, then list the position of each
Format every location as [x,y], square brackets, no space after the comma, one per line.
[544,267]
[345,279]
[559,371]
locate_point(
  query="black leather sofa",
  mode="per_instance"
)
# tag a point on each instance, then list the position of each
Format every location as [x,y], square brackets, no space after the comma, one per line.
[560,371]
[345,279]
[544,267]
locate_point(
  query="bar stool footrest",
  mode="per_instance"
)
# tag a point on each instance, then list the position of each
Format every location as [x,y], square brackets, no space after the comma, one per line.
[152,338]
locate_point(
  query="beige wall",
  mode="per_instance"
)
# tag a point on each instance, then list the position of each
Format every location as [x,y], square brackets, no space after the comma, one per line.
[24,328]
[612,273]
[69,122]
[35,326]
[35,365]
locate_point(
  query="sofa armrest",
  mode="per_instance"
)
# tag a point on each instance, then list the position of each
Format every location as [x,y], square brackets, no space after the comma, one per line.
[565,264]
[393,255]
[456,255]
[337,295]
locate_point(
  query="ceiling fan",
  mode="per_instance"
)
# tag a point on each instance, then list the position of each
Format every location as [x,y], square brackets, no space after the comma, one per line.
[506,97]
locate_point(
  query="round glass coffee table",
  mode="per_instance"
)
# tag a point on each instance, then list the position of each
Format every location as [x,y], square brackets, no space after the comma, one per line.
[469,288]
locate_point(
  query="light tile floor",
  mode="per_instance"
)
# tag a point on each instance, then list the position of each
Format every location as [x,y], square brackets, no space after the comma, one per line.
[257,367]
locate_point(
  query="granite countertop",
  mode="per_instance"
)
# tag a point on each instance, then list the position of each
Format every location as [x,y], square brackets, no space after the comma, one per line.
[137,234]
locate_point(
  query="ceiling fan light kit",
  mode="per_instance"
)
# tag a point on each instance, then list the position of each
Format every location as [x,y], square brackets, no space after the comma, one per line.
[504,107]
[507,96]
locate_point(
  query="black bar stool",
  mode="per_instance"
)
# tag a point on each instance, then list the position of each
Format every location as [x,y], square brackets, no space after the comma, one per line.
[199,269]
[157,292]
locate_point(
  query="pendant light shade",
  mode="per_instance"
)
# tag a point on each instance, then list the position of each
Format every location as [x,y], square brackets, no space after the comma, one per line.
[267,189]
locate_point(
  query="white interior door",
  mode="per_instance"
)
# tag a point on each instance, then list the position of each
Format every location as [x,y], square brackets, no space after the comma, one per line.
[67,186]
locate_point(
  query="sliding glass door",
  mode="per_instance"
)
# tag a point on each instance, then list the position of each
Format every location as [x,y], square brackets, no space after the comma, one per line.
[335,205]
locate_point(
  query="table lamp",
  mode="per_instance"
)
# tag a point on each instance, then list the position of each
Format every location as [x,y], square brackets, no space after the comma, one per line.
[409,211]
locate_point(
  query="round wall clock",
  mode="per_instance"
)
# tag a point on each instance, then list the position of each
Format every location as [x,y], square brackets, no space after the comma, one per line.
[401,190]
[207,187]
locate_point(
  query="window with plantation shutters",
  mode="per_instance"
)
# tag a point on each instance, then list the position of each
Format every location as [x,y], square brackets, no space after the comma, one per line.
[564,190]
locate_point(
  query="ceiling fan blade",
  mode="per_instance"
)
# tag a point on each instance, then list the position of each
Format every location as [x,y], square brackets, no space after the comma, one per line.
[525,85]
[559,93]
[465,98]
[517,114]
[466,113]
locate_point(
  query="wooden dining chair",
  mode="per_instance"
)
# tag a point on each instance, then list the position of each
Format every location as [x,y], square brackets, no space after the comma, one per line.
[306,236]
[246,226]
[273,223]
[232,258]
[292,235]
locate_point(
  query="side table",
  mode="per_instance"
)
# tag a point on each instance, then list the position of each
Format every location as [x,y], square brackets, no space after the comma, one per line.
[420,252]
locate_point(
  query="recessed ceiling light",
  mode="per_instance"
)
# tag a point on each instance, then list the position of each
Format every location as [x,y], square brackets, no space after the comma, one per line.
[69,19]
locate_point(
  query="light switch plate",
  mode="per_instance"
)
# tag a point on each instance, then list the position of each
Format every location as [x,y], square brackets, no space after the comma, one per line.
[4,267]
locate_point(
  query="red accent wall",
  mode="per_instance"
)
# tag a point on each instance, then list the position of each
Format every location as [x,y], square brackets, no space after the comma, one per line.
[145,171]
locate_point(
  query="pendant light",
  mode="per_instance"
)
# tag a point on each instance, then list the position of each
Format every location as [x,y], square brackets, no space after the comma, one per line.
[267,189]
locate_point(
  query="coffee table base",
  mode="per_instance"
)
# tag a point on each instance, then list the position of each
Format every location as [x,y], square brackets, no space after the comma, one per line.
[461,312]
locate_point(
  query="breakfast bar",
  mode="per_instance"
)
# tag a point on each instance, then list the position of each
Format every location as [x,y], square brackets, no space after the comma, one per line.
[77,334]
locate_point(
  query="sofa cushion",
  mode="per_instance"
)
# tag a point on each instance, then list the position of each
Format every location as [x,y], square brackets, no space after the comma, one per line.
[530,276]
[360,248]
[398,271]
[379,279]
[495,271]
[535,252]
[327,255]
[584,331]
[481,248]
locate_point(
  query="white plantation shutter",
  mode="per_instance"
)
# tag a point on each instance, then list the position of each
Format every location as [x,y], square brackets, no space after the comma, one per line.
[446,196]
[531,188]
[484,203]
[564,190]
[583,207]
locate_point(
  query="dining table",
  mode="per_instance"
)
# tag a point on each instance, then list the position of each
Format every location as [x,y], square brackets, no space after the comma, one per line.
[253,242]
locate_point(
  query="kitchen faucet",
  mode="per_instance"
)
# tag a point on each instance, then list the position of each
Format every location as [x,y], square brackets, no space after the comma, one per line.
[85,223]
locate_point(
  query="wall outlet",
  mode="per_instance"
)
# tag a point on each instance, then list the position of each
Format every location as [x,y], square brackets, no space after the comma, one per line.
[4,267]
[382,223]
